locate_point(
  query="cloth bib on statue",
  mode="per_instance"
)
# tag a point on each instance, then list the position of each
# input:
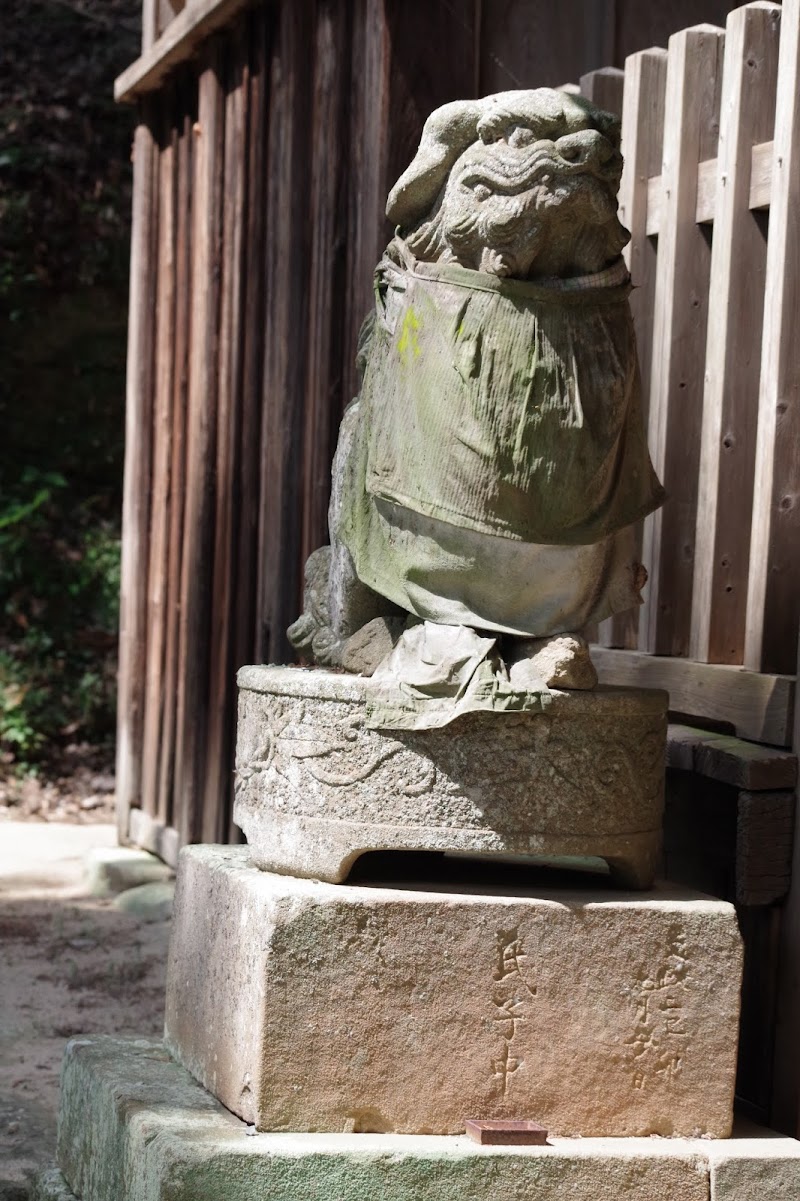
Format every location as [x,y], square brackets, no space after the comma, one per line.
[506,407]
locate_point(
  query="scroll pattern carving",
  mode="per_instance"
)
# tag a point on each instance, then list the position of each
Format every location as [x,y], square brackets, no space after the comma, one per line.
[303,748]
[339,756]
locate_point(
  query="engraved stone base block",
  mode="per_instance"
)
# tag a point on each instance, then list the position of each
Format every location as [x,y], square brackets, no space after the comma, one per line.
[315,1007]
[316,788]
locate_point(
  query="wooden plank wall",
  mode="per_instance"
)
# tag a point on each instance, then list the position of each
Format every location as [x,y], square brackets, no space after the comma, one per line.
[262,168]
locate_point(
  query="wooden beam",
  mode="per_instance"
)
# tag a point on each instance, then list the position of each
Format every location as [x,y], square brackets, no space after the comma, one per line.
[729,760]
[760,189]
[151,835]
[759,706]
[179,42]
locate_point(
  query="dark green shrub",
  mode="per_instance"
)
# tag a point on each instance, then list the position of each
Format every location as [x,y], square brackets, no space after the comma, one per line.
[59,587]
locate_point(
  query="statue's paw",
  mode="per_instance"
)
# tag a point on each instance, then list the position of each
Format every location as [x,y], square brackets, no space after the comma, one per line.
[561,661]
[301,633]
[363,651]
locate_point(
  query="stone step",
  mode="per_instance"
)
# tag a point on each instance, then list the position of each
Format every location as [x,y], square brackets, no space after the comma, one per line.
[136,1127]
[305,1006]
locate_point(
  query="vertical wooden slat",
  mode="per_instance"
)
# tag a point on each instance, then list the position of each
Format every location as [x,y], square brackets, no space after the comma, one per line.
[328,218]
[222,690]
[136,488]
[256,78]
[735,313]
[694,71]
[642,148]
[773,597]
[369,111]
[177,469]
[399,77]
[149,23]
[287,191]
[604,87]
[196,568]
[162,454]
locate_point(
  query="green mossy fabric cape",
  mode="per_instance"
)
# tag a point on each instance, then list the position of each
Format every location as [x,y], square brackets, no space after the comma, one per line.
[506,407]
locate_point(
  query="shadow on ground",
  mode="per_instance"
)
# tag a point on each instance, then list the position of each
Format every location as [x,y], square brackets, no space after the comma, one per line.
[69,964]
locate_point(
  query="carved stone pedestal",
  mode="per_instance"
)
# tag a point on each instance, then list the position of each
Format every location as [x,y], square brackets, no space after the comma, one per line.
[316,788]
[316,1007]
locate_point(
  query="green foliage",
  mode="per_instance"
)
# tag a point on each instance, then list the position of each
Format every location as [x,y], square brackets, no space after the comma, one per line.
[59,587]
[65,177]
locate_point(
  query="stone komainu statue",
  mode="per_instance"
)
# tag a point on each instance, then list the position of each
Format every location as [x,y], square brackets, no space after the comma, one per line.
[490,472]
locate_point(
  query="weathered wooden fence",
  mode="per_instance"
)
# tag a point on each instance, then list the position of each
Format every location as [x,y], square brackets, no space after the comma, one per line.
[707,195]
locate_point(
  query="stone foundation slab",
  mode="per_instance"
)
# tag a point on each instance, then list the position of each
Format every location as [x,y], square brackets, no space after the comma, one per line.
[305,1006]
[135,1127]
[316,788]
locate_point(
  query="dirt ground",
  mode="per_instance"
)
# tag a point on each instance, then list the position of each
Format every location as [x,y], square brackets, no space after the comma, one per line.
[78,787]
[69,965]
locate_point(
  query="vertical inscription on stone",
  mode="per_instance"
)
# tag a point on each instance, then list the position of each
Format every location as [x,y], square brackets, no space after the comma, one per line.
[659,1040]
[512,992]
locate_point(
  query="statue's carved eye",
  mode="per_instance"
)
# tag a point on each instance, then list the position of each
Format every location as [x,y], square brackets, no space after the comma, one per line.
[481,192]
[520,135]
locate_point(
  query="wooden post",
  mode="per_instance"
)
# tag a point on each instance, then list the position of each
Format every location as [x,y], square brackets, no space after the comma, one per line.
[694,71]
[157,572]
[217,777]
[196,567]
[136,490]
[256,78]
[604,88]
[735,312]
[327,348]
[287,187]
[773,594]
[642,144]
[187,101]
[149,23]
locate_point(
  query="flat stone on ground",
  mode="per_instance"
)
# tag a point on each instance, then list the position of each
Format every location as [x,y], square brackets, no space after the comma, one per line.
[151,902]
[305,1006]
[115,869]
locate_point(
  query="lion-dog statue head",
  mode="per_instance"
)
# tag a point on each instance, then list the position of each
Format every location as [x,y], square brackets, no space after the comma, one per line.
[518,184]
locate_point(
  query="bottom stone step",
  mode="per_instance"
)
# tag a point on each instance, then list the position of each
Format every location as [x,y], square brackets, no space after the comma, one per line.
[134,1126]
